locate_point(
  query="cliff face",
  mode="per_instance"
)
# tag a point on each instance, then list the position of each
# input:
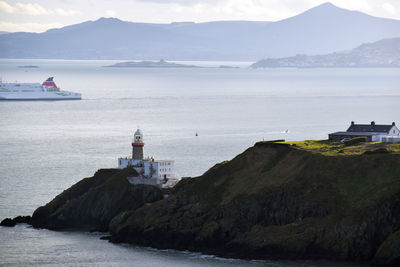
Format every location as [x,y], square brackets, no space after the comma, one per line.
[93,202]
[276,201]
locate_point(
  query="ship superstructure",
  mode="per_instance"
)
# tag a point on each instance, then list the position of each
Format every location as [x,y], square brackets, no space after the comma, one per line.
[48,90]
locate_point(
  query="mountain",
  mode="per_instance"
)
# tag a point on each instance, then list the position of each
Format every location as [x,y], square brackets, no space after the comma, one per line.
[384,53]
[320,30]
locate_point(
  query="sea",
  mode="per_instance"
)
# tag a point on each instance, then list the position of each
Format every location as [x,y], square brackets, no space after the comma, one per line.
[194,116]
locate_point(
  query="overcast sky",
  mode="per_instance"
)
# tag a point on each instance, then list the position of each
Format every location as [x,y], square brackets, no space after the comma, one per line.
[40,15]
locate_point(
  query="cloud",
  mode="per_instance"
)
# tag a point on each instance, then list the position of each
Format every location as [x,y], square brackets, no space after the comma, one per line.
[28,27]
[33,9]
[5,7]
[389,8]
[111,13]
[63,12]
[236,9]
[183,2]
[20,8]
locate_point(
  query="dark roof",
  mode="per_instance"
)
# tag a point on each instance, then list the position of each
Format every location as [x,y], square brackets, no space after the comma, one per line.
[370,128]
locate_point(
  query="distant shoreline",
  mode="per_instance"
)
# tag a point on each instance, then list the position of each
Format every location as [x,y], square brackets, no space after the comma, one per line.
[28,67]
[150,64]
[161,64]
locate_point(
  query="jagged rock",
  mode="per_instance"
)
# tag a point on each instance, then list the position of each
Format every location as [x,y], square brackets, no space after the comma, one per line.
[12,222]
[8,222]
[22,219]
[389,251]
[93,202]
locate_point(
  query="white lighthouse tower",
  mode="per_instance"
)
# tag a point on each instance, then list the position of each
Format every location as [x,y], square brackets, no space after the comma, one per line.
[150,171]
[137,145]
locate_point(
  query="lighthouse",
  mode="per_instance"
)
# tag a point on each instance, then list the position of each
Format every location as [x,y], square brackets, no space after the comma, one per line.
[149,171]
[137,145]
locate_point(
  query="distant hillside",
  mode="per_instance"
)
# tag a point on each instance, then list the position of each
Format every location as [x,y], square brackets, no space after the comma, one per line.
[384,53]
[150,64]
[320,30]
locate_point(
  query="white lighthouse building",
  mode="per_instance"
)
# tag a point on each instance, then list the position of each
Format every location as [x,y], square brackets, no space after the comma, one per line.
[155,172]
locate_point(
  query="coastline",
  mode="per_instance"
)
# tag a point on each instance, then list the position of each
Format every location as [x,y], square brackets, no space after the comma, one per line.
[304,214]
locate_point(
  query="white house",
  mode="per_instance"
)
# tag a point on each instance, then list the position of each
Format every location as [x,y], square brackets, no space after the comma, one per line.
[151,171]
[373,132]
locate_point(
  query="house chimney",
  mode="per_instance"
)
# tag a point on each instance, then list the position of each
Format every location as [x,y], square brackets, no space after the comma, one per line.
[393,123]
[352,122]
[372,123]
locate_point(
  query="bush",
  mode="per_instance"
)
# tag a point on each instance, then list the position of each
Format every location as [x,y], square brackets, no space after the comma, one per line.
[381,150]
[355,141]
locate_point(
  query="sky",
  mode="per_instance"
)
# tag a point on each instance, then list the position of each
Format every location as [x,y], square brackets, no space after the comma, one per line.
[41,15]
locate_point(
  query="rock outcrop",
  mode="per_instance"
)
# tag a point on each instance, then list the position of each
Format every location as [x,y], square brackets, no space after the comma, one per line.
[93,202]
[276,201]
[389,251]
[12,222]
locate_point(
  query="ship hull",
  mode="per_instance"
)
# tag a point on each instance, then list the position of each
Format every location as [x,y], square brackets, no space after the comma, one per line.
[37,99]
[40,96]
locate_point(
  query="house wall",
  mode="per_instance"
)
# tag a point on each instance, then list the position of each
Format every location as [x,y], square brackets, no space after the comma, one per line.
[150,168]
[377,138]
[394,131]
[156,170]
[166,169]
[335,137]
[124,162]
[391,139]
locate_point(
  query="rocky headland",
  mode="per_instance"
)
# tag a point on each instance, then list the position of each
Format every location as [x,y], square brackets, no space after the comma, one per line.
[276,200]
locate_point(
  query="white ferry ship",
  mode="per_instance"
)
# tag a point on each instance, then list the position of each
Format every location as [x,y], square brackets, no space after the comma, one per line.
[48,90]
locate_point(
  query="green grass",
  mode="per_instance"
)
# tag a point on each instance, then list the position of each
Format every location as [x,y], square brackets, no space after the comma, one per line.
[334,148]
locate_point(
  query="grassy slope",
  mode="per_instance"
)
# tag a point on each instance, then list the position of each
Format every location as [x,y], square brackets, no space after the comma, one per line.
[277,199]
[350,174]
[331,148]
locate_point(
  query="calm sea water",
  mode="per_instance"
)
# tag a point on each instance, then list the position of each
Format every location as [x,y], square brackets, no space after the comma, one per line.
[45,147]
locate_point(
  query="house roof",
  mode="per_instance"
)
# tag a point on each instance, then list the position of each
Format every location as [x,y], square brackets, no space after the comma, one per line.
[372,128]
